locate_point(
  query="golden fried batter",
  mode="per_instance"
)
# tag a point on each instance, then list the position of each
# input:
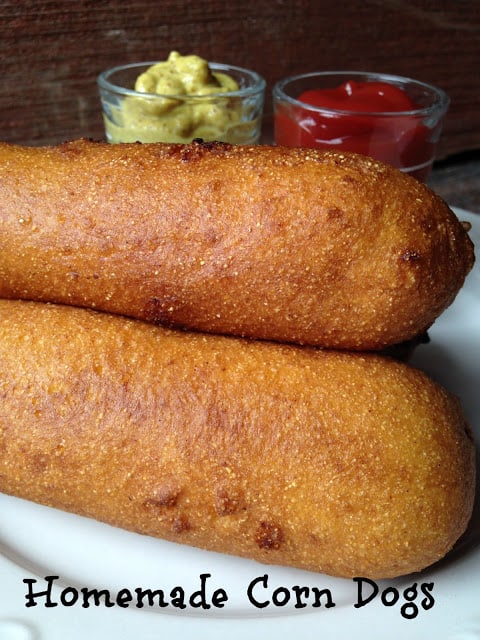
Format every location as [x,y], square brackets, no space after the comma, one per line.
[347,464]
[293,245]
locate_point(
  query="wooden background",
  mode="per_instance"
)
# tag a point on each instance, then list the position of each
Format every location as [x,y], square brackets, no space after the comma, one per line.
[51,52]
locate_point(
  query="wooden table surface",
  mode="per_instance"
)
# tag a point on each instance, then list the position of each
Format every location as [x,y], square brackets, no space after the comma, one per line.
[457,180]
[52,52]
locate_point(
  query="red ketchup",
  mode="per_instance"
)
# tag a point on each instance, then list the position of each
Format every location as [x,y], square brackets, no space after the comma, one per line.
[377,124]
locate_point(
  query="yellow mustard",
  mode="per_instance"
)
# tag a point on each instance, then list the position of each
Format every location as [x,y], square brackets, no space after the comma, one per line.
[177,107]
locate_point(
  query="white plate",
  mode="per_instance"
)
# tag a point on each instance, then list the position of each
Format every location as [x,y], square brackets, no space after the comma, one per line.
[36,542]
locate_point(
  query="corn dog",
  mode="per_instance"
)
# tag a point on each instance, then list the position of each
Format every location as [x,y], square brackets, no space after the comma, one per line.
[346,464]
[293,245]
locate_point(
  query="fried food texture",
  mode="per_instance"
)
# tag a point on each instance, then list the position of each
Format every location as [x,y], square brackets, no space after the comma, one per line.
[343,463]
[292,245]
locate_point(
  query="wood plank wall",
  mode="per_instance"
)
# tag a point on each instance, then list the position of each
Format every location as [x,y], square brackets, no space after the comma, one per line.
[51,52]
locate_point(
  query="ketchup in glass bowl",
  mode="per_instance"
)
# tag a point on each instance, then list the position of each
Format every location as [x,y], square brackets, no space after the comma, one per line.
[390,118]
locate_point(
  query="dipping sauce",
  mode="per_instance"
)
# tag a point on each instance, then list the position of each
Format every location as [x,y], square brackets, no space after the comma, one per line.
[183,98]
[375,118]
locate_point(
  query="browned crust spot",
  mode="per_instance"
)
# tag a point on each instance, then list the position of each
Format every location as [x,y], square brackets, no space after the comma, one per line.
[198,148]
[226,504]
[410,255]
[163,497]
[269,536]
[180,524]
[159,310]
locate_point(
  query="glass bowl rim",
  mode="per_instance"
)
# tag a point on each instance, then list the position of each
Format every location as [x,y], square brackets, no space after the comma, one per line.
[441,103]
[258,85]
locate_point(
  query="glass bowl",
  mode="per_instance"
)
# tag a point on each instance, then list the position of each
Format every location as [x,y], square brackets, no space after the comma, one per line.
[131,116]
[407,139]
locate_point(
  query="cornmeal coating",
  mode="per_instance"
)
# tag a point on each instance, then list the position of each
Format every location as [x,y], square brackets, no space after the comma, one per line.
[341,463]
[293,245]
